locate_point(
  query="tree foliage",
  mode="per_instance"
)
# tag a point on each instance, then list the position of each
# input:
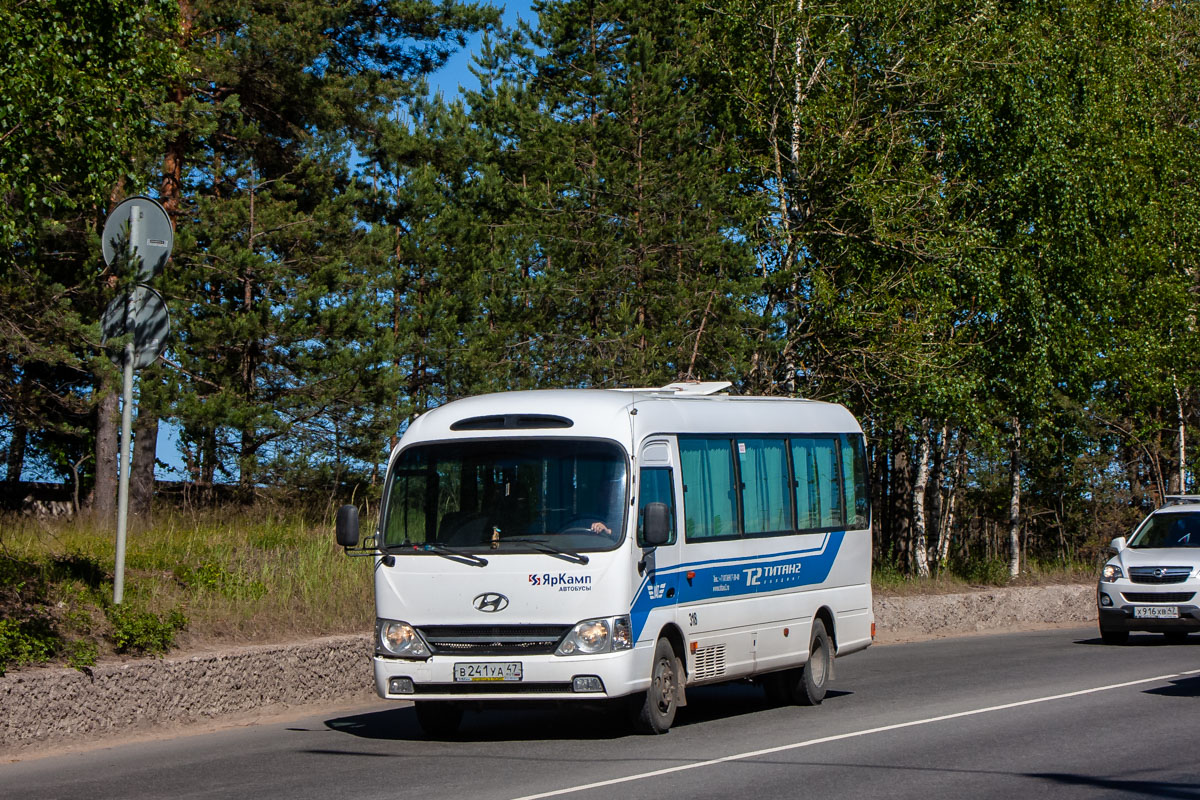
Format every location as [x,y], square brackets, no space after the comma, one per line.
[975,225]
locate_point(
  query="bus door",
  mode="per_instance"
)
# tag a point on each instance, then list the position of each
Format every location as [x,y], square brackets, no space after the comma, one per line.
[656,577]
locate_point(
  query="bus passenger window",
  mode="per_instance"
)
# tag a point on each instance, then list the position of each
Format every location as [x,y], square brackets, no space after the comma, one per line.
[804,462]
[766,507]
[710,505]
[655,485]
[854,474]
[829,476]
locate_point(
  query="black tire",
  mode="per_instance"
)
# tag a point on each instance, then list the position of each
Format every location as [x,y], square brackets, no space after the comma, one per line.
[805,686]
[654,710]
[1114,637]
[813,681]
[439,720]
[1176,637]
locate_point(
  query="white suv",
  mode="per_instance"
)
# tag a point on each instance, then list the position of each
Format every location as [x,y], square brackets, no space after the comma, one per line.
[1151,584]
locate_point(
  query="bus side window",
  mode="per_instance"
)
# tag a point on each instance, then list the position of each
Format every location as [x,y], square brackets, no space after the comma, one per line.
[830,483]
[655,485]
[804,463]
[854,473]
[766,506]
[711,505]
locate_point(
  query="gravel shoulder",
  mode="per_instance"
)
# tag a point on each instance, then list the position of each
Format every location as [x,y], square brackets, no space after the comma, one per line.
[51,711]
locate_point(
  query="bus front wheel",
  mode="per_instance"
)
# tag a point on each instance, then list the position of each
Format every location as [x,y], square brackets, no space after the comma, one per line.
[655,710]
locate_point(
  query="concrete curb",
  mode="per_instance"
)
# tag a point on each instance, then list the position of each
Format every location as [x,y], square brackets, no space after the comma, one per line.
[57,706]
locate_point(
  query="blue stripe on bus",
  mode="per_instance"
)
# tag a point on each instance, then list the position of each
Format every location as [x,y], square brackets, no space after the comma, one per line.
[733,577]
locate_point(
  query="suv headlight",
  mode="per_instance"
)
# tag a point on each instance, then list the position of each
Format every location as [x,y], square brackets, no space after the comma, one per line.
[399,639]
[592,636]
[1110,573]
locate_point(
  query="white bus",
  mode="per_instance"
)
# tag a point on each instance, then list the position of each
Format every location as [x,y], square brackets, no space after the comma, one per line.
[581,545]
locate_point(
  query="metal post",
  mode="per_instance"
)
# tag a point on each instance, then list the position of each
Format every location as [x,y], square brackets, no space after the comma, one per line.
[126,418]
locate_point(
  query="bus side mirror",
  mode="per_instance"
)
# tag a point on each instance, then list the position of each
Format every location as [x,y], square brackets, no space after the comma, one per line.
[347,526]
[1117,545]
[656,524]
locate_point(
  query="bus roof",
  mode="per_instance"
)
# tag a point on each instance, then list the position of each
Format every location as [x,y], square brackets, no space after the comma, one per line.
[624,415]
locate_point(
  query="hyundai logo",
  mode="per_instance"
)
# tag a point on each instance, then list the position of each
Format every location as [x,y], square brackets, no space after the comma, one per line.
[490,602]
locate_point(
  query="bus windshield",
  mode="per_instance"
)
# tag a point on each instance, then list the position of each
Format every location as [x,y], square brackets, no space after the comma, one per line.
[507,494]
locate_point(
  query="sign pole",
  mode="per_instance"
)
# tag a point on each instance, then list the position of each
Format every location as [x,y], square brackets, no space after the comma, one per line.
[126,421]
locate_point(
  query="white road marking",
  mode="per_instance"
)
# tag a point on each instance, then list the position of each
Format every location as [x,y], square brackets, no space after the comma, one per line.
[809,742]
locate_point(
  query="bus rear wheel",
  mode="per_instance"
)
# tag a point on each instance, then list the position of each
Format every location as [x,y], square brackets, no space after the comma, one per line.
[654,711]
[805,686]
[439,720]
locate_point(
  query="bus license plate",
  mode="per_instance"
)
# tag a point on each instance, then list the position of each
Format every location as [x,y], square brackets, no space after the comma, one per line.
[1156,612]
[502,671]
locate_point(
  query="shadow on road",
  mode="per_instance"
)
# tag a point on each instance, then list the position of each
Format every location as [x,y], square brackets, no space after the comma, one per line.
[1134,787]
[1144,640]
[515,723]
[1184,687]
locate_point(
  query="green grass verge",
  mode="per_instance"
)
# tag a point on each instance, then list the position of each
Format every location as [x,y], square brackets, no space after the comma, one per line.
[247,575]
[191,580]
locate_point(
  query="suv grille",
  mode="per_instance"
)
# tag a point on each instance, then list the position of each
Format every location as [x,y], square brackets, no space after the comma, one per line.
[1168,574]
[488,640]
[1158,597]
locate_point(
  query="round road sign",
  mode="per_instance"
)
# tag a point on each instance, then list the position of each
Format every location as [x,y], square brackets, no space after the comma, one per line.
[143,223]
[146,318]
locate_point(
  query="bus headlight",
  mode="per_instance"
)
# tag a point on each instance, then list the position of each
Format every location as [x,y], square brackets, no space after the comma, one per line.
[592,636]
[399,639]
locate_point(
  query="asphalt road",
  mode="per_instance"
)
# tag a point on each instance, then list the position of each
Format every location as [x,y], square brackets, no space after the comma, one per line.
[1051,713]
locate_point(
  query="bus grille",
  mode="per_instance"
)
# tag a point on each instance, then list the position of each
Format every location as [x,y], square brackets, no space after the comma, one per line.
[489,687]
[485,640]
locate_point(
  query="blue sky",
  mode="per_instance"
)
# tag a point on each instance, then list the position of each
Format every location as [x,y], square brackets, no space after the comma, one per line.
[448,81]
[455,73]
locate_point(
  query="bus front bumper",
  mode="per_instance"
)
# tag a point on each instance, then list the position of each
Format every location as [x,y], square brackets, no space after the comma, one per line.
[539,677]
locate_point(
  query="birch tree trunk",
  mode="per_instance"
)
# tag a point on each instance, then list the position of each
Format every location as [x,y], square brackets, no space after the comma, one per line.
[920,539]
[941,454]
[1014,504]
[1179,479]
[901,496]
[948,521]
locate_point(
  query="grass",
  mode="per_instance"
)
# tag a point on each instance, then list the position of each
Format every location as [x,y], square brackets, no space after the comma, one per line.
[191,581]
[263,575]
[887,579]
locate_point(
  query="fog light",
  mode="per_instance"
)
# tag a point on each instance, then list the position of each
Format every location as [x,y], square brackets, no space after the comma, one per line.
[587,683]
[400,686]
[1105,600]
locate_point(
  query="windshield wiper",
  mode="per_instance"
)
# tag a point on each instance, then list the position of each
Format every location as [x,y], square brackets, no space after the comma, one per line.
[550,550]
[451,553]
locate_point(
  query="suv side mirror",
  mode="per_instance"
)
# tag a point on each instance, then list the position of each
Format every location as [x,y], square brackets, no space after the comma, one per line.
[347,526]
[1117,544]
[656,524]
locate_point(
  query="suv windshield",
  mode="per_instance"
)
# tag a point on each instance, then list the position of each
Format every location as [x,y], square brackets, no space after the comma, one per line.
[1168,530]
[507,494]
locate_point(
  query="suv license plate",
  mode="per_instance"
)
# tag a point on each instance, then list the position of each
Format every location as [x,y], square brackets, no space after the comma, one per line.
[502,671]
[1156,612]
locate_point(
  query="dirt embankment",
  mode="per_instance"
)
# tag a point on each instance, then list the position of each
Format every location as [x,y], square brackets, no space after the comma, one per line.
[50,708]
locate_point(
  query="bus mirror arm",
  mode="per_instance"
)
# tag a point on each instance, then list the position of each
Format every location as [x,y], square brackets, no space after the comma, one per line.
[647,559]
[347,537]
